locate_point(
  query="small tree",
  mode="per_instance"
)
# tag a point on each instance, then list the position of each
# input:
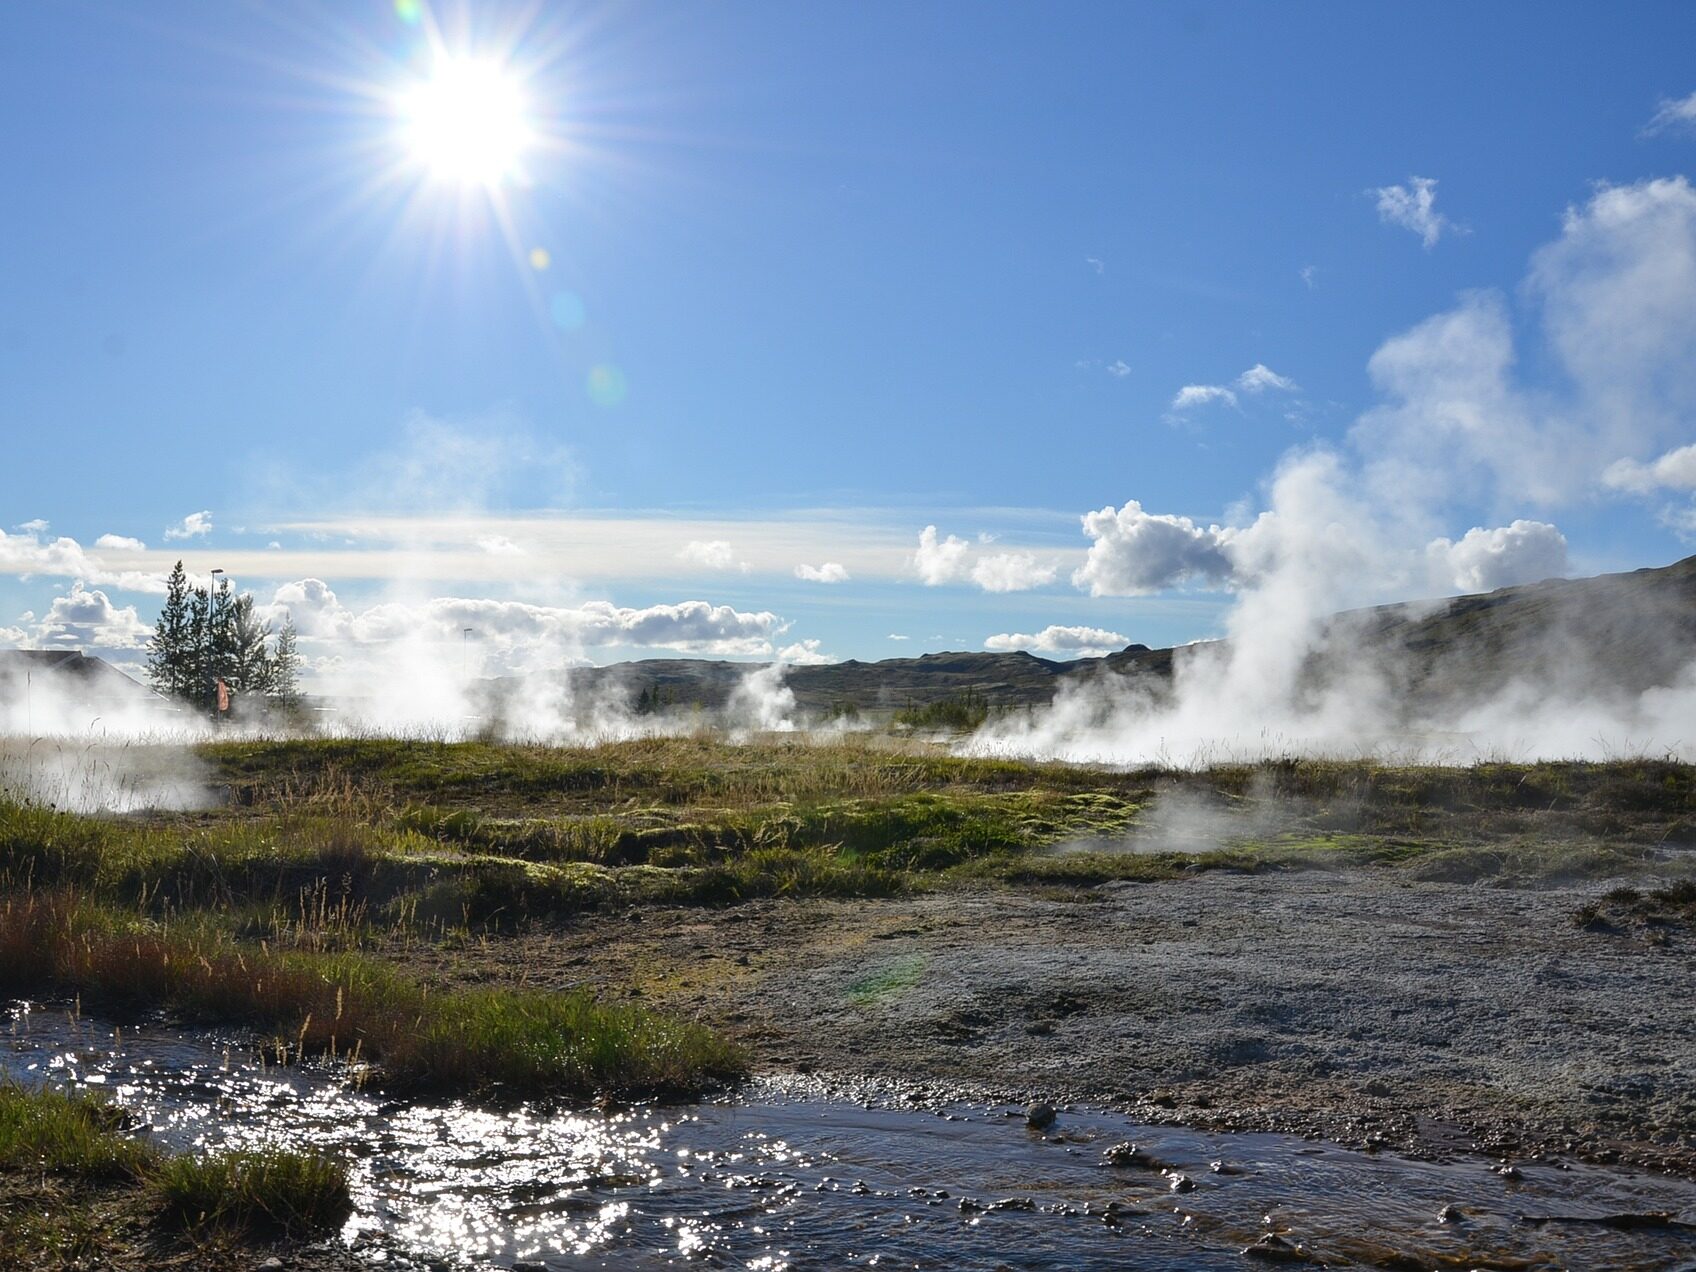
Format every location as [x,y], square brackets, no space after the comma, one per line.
[284,686]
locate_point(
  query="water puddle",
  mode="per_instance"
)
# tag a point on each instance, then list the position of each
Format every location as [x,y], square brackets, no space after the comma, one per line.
[786,1176]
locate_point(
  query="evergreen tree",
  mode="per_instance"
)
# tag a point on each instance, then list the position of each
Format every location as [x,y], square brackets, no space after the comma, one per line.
[284,685]
[168,667]
[208,634]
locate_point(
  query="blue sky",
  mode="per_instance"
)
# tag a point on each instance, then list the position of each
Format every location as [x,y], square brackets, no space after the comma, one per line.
[831,274]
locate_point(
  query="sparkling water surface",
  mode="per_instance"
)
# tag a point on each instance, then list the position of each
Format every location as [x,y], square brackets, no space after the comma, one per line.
[791,1175]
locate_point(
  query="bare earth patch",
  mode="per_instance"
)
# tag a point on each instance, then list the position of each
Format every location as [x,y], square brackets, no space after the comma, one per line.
[1358,1004]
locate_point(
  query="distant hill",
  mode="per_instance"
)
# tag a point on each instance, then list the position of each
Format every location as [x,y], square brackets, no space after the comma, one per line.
[1621,632]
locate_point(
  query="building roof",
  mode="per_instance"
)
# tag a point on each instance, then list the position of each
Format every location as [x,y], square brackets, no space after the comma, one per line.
[95,678]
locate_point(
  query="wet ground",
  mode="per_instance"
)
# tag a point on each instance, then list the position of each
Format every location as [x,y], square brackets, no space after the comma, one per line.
[1368,1006]
[800,1175]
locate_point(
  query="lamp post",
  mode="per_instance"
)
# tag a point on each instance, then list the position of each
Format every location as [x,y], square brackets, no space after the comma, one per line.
[212,687]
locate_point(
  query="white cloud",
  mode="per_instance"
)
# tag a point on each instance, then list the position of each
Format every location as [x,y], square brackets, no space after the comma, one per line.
[951,560]
[1486,559]
[1674,115]
[196,525]
[519,633]
[1136,552]
[36,526]
[1675,470]
[804,653]
[1308,274]
[1260,377]
[1096,263]
[1256,380]
[1118,368]
[499,545]
[897,636]
[88,620]
[28,555]
[119,543]
[1414,207]
[940,561]
[1077,641]
[829,572]
[1201,395]
[712,554]
[1012,572]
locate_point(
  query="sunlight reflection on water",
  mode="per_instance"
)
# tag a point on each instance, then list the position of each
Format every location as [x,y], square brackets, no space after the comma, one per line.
[786,1177]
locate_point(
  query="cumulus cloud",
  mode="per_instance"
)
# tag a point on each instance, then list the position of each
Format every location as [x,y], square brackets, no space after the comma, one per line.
[804,653]
[119,543]
[87,619]
[30,554]
[1414,207]
[1674,115]
[1076,641]
[951,560]
[1118,368]
[940,561]
[829,572]
[1486,559]
[197,525]
[712,554]
[1136,552]
[1012,572]
[1192,395]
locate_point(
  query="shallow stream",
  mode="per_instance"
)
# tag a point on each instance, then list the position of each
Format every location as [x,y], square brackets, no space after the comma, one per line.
[792,1175]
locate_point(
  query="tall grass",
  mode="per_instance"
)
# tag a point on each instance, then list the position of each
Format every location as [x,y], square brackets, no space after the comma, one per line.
[50,1131]
[513,1041]
[258,1191]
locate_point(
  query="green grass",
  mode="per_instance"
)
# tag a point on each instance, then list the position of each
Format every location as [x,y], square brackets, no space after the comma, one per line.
[50,1131]
[262,1192]
[508,1041]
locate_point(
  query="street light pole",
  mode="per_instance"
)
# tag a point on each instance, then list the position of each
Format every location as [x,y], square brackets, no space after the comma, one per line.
[212,687]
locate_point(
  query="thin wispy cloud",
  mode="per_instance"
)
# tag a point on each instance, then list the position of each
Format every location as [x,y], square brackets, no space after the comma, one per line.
[1258,379]
[1674,115]
[1414,207]
[1193,395]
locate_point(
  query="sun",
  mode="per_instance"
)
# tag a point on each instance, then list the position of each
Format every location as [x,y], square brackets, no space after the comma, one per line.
[467,122]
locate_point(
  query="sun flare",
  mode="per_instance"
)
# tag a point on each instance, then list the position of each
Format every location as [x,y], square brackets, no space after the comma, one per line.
[468,122]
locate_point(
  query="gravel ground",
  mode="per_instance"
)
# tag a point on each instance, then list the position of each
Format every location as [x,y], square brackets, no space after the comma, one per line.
[1359,1006]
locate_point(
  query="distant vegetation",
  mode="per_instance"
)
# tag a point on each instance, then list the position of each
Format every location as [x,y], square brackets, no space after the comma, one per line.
[960,713]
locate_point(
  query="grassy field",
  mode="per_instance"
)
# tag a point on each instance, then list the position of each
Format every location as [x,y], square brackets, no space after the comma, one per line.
[292,901]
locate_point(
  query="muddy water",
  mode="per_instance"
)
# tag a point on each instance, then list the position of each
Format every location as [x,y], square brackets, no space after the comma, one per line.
[789,1176]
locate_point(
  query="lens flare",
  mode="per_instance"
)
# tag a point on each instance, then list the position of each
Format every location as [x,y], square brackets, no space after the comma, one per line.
[606,385]
[540,259]
[468,122]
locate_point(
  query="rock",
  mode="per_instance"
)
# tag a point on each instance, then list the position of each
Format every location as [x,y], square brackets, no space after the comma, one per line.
[1012,1203]
[273,1264]
[1272,1248]
[1040,1116]
[1125,1154]
[1224,1168]
[523,1266]
[1182,1183]
[1507,1170]
[1450,1213]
